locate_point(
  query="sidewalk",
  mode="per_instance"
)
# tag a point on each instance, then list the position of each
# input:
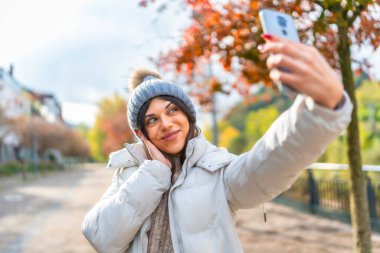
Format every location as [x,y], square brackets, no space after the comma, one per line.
[48,212]
[288,230]
[19,179]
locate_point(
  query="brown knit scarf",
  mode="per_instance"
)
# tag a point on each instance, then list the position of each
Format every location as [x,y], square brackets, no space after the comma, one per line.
[159,238]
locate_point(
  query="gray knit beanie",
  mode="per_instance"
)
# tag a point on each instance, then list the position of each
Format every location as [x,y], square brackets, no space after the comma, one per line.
[146,85]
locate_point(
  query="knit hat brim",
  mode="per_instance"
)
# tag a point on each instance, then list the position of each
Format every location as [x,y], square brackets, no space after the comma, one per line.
[150,88]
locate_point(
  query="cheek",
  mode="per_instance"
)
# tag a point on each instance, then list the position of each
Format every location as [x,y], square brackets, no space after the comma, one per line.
[184,121]
[151,132]
[187,127]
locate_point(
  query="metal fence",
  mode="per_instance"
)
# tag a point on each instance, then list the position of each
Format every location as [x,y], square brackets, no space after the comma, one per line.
[329,197]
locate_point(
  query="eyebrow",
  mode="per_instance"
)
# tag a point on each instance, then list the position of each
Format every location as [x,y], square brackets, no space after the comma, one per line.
[152,114]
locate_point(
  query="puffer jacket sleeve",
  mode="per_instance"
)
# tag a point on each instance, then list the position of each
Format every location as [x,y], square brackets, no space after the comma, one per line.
[112,224]
[294,141]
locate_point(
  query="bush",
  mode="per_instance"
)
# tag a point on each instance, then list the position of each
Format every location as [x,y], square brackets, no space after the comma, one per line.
[13,168]
[9,169]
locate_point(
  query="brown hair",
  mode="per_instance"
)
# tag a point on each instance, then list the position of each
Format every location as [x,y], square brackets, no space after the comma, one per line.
[194,130]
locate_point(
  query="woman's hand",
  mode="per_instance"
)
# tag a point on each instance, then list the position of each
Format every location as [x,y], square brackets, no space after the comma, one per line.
[154,153]
[309,74]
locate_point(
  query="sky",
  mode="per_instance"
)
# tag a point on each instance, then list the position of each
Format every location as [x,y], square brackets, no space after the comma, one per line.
[83,50]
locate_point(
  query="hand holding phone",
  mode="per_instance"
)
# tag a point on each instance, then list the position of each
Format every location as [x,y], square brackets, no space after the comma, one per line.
[310,73]
[281,25]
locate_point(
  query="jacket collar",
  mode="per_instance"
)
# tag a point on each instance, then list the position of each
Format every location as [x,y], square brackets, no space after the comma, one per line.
[131,155]
[199,152]
[205,155]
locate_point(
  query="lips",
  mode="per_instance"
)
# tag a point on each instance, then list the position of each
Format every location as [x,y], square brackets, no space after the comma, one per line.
[170,136]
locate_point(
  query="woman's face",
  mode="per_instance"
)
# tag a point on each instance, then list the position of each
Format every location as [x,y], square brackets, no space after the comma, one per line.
[167,126]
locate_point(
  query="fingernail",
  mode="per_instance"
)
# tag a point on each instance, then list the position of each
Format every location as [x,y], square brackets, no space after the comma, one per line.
[266,36]
[260,48]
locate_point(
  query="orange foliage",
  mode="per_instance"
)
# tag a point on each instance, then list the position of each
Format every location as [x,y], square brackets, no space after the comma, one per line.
[232,31]
[51,135]
[112,120]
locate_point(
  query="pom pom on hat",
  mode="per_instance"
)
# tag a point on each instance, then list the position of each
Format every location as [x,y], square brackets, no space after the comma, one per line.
[138,76]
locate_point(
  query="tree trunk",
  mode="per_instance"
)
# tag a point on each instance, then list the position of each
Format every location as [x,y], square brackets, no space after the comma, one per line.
[215,130]
[358,195]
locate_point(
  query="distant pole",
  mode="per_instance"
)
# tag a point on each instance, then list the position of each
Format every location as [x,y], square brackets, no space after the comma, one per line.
[35,153]
[215,133]
[214,121]
[11,69]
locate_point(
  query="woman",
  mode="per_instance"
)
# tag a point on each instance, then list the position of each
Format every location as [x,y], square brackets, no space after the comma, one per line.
[175,192]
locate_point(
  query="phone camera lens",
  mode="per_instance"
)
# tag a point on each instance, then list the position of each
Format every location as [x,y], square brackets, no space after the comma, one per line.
[281,21]
[284,32]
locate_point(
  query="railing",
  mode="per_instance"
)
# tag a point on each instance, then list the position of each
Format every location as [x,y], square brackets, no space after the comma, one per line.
[329,197]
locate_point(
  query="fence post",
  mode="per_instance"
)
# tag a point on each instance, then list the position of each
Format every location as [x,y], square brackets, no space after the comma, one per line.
[313,192]
[371,199]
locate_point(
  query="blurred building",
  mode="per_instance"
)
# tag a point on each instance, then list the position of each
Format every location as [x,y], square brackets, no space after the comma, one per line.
[16,100]
[44,105]
[13,102]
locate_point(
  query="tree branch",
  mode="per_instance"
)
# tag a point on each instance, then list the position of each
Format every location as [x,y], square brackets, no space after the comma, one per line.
[320,3]
[355,14]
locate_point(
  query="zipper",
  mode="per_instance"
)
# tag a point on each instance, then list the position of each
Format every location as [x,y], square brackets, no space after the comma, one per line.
[173,221]
[264,212]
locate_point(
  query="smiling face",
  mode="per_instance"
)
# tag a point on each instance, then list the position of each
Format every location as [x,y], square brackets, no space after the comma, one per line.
[166,125]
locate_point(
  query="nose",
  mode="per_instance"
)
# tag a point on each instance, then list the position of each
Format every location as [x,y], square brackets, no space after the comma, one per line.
[166,122]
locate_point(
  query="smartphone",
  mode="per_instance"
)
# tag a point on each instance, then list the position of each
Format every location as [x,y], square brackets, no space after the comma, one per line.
[281,25]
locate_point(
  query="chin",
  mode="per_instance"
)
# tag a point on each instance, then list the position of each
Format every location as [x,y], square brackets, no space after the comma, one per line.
[173,151]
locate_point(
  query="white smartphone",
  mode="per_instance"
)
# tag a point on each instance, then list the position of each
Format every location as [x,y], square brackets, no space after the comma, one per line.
[281,25]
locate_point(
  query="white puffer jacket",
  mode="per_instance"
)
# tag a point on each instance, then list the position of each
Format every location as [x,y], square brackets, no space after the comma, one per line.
[212,186]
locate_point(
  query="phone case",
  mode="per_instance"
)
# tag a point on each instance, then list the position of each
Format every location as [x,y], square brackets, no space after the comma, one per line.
[282,25]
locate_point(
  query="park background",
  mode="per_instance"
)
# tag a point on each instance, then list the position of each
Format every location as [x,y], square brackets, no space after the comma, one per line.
[65,68]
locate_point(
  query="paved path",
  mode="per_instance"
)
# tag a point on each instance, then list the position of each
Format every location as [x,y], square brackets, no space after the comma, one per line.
[290,231]
[45,215]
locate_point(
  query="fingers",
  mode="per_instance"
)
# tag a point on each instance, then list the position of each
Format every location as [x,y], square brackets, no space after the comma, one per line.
[147,143]
[287,78]
[288,60]
[281,60]
[154,152]
[303,68]
[283,67]
[142,137]
[278,45]
[139,133]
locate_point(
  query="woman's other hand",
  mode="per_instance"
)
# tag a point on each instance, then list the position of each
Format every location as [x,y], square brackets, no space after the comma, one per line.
[309,74]
[154,153]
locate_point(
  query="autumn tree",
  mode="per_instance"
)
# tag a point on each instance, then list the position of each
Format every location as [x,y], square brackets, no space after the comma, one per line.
[69,141]
[111,129]
[4,124]
[231,32]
